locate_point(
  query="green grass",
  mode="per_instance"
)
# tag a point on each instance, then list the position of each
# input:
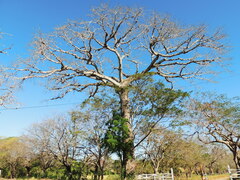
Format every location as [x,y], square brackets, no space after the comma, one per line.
[112,177]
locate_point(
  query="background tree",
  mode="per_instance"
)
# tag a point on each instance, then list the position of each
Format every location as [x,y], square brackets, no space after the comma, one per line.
[156,146]
[60,137]
[190,158]
[117,47]
[12,154]
[218,159]
[92,115]
[37,145]
[217,120]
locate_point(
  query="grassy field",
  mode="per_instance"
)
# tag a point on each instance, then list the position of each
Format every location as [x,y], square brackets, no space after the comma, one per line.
[194,177]
[210,177]
[116,177]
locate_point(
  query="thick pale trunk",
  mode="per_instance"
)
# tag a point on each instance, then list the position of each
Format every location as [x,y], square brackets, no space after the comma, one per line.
[125,110]
[125,105]
[128,156]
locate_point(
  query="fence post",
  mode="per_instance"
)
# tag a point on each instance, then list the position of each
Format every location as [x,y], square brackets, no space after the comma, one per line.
[229,171]
[172,174]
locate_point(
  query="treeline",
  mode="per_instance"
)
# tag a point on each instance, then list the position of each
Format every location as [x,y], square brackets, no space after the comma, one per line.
[66,159]
[88,144]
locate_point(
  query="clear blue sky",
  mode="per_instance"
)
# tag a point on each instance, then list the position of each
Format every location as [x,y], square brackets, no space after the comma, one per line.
[21,19]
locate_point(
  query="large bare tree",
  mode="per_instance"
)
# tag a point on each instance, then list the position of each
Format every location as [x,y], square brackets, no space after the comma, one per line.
[114,47]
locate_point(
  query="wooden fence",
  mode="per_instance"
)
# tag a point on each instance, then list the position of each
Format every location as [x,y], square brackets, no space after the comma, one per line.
[161,176]
[234,173]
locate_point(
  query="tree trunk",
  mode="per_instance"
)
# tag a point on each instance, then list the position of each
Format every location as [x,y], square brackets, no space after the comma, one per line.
[128,155]
[13,170]
[236,159]
[125,106]
[101,175]
[28,169]
[95,177]
[124,166]
[69,172]
[101,164]
[44,172]
[238,162]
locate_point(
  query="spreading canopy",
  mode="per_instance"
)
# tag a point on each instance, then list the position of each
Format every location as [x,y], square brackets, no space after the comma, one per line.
[115,47]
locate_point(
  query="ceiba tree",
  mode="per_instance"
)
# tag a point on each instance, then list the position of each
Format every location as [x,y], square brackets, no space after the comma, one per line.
[115,47]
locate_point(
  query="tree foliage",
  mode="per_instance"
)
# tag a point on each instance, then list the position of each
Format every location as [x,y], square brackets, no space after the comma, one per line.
[117,134]
[116,140]
[217,120]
